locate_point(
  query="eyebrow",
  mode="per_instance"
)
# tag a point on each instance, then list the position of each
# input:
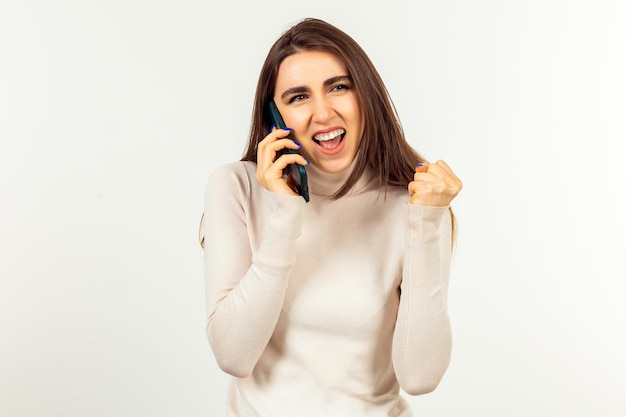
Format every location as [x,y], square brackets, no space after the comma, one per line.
[304,89]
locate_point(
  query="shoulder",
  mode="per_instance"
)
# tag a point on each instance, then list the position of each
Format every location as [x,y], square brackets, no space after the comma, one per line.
[239,173]
[233,179]
[232,170]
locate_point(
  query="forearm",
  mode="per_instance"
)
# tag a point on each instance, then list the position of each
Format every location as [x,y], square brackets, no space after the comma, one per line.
[422,341]
[242,323]
[246,286]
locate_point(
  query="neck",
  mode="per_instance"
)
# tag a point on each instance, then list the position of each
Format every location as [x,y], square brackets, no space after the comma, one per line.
[326,183]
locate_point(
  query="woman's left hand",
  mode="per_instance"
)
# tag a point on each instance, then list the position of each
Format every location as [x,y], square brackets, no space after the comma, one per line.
[434,185]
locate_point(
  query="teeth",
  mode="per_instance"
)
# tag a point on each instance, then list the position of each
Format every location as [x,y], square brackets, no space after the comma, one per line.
[328,136]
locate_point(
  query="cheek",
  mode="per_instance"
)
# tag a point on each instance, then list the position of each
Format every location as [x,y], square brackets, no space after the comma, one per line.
[352,110]
[357,143]
[296,121]
[300,122]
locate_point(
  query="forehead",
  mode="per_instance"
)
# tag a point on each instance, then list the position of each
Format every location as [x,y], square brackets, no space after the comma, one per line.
[308,68]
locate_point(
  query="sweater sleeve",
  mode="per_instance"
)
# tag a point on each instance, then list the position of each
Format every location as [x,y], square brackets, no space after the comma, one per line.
[422,341]
[245,288]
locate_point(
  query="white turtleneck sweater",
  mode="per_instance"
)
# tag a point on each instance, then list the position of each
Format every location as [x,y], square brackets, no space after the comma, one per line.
[325,308]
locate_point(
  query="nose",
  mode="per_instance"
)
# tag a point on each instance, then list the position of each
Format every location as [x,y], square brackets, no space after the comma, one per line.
[322,110]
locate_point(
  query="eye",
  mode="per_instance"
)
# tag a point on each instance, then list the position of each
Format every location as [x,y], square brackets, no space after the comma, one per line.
[298,97]
[340,87]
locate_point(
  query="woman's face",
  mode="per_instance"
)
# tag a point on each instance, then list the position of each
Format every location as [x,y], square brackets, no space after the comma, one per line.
[316,98]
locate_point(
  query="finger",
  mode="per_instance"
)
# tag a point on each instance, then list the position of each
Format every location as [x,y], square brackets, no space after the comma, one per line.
[443,164]
[272,151]
[451,177]
[436,169]
[425,177]
[267,155]
[289,158]
[421,167]
[436,187]
[276,168]
[428,182]
[282,132]
[445,168]
[412,188]
[442,171]
[429,194]
[274,135]
[279,144]
[273,177]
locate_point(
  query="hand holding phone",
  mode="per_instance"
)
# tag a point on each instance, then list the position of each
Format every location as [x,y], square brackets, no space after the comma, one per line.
[296,172]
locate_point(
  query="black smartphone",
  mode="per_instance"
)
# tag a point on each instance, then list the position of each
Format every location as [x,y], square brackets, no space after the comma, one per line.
[295,171]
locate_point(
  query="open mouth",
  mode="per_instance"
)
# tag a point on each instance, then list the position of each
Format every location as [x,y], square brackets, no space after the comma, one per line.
[330,140]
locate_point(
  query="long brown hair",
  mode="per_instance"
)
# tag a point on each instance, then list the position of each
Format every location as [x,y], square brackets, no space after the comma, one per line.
[384,149]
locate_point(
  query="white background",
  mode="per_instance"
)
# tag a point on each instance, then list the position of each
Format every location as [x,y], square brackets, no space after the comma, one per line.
[113,115]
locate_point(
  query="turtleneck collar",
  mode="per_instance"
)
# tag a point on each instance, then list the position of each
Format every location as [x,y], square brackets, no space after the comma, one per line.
[326,184]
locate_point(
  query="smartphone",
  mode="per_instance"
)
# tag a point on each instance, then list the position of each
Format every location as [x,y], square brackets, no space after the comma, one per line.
[295,171]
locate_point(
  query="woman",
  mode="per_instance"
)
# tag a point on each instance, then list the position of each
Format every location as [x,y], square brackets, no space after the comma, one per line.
[328,308]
